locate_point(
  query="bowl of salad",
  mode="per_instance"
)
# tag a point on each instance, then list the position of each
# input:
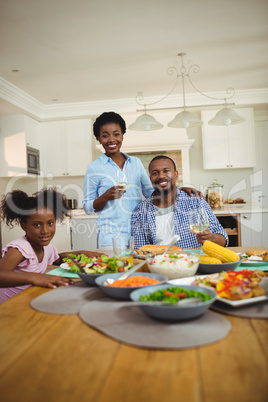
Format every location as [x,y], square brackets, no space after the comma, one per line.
[93,267]
[170,294]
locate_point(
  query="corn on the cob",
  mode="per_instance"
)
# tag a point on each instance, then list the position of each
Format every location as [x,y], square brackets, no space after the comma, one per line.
[206,259]
[217,251]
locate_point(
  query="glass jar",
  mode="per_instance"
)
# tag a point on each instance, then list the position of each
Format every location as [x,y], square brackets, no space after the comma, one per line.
[215,194]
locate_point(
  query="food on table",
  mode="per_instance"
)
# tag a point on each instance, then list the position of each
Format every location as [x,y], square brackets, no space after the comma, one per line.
[217,251]
[206,259]
[173,266]
[265,257]
[258,253]
[234,285]
[156,249]
[174,294]
[98,265]
[134,281]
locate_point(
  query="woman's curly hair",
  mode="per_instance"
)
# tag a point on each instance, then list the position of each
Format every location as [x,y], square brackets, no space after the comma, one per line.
[16,206]
[108,117]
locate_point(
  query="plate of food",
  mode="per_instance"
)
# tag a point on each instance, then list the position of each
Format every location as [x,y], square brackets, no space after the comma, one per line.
[217,258]
[234,288]
[93,267]
[155,249]
[255,257]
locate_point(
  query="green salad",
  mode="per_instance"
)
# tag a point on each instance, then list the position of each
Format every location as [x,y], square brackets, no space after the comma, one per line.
[98,265]
[173,294]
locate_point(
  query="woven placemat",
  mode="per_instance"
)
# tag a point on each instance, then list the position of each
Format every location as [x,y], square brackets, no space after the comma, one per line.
[257,310]
[130,325]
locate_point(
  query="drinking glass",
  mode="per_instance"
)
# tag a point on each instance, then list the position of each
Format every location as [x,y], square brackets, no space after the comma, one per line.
[122,181]
[198,220]
[123,247]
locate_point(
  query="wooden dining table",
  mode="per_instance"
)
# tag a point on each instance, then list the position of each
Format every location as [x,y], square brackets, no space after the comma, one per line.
[59,358]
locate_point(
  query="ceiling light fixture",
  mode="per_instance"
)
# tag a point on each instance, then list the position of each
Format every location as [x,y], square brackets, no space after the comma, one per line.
[185,119]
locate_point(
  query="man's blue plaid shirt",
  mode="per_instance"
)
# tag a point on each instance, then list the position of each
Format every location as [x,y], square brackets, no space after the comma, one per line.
[143,222]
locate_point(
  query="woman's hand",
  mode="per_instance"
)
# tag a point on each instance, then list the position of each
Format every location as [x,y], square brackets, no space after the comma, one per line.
[115,192]
[192,191]
[112,193]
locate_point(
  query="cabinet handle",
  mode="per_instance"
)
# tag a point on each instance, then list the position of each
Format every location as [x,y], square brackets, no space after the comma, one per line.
[245,217]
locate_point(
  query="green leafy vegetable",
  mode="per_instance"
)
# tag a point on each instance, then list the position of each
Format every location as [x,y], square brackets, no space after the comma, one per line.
[172,295]
[98,265]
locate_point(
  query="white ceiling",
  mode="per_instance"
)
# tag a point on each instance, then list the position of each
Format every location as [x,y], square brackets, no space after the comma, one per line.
[88,50]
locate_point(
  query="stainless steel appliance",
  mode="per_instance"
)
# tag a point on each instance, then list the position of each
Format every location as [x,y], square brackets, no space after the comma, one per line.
[72,203]
[33,161]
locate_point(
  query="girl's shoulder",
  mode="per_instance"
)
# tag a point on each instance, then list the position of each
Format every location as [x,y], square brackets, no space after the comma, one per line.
[22,245]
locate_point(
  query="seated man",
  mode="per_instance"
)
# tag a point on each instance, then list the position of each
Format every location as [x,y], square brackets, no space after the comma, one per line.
[166,213]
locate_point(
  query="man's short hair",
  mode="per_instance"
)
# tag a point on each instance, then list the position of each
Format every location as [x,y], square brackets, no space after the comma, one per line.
[162,157]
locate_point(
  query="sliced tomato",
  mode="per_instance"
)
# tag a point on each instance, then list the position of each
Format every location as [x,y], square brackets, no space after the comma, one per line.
[181,295]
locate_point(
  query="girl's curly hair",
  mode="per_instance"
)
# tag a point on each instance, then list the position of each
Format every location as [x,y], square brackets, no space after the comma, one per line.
[16,206]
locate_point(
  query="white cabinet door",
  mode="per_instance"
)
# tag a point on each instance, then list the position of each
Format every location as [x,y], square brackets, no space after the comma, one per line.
[77,146]
[62,238]
[254,229]
[16,132]
[66,147]
[33,134]
[84,234]
[53,148]
[228,146]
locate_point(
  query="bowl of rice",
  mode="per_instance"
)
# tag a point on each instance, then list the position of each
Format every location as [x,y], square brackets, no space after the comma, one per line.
[173,266]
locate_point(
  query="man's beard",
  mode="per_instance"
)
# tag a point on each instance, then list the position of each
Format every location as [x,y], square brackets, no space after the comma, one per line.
[162,192]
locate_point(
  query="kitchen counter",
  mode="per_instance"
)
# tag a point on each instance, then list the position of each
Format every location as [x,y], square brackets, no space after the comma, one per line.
[80,214]
[226,209]
[240,209]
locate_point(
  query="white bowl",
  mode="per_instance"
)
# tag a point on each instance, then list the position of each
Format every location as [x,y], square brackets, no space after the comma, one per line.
[173,266]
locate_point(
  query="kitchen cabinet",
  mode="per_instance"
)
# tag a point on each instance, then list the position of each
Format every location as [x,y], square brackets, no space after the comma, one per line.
[228,146]
[231,224]
[62,237]
[84,234]
[254,229]
[16,133]
[66,149]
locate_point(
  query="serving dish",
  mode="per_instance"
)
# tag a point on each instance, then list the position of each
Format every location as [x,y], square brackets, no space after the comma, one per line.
[216,268]
[123,293]
[233,303]
[246,260]
[174,265]
[174,313]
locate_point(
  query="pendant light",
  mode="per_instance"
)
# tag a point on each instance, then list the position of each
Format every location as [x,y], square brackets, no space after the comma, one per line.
[185,119]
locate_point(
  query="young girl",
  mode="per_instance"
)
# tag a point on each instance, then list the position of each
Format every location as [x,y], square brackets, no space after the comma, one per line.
[25,260]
